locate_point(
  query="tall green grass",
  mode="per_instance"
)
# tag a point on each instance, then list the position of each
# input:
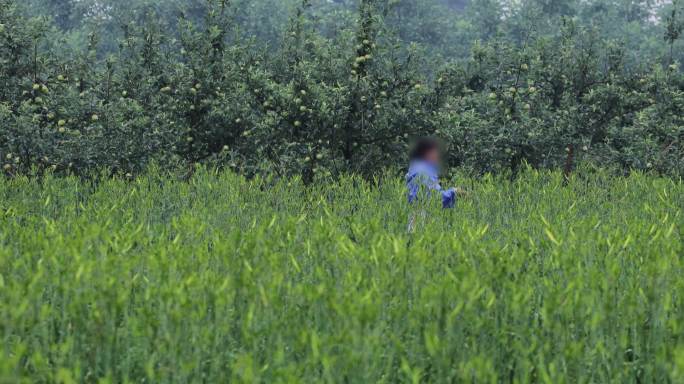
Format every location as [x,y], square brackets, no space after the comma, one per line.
[222,279]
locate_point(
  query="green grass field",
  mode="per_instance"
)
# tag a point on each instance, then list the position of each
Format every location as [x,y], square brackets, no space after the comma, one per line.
[220,279]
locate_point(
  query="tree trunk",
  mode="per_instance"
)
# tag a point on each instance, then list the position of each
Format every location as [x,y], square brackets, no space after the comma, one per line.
[569,162]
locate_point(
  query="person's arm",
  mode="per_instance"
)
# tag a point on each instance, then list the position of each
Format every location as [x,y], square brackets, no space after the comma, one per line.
[413,189]
[449,198]
[430,182]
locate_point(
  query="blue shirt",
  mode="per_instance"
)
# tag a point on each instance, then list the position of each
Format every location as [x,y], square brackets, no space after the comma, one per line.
[425,175]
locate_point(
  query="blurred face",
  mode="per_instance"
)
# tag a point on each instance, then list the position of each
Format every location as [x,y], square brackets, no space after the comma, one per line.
[433,156]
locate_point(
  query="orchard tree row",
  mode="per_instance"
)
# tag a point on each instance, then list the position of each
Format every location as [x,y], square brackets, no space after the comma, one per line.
[320,88]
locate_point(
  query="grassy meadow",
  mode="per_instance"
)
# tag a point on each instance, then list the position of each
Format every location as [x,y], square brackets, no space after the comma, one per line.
[223,279]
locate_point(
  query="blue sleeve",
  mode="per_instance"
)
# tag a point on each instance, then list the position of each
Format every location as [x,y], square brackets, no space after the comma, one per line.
[449,198]
[416,180]
[413,189]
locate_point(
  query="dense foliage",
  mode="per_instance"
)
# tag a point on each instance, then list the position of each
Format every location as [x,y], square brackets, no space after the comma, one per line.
[313,87]
[221,279]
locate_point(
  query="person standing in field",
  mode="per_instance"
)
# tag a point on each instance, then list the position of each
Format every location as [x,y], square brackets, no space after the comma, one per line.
[422,179]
